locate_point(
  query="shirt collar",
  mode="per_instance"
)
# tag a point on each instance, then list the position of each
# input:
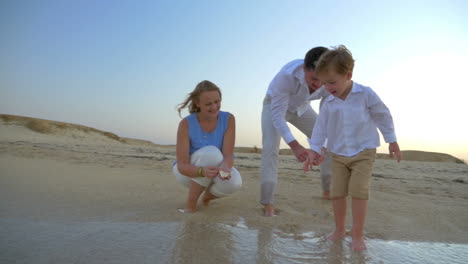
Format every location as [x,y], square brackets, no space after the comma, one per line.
[299,75]
[355,89]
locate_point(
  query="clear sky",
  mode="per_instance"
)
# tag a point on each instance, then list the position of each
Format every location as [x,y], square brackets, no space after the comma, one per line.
[123,66]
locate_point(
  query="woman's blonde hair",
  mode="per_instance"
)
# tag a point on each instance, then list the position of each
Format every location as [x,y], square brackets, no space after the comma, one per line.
[338,58]
[194,96]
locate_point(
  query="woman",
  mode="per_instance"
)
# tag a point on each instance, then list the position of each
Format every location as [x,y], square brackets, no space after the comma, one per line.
[205,148]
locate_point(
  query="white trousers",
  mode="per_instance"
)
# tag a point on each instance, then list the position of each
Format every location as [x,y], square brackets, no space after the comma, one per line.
[210,156]
[270,151]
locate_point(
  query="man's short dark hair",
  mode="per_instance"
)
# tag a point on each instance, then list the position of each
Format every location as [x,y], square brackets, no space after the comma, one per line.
[312,56]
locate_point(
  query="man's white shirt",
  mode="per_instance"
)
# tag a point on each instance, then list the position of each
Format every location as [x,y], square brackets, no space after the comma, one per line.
[289,92]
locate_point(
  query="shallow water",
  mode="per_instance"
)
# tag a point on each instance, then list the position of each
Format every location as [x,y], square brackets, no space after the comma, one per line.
[31,241]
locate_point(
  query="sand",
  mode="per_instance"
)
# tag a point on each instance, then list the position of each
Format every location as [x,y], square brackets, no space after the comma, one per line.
[69,193]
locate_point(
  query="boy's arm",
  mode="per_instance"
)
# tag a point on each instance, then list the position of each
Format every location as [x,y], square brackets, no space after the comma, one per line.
[381,116]
[394,148]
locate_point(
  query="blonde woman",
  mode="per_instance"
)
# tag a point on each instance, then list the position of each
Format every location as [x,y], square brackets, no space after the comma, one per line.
[205,148]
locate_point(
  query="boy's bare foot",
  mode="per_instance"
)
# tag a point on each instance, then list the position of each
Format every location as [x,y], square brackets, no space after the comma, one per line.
[326,196]
[336,235]
[268,210]
[358,244]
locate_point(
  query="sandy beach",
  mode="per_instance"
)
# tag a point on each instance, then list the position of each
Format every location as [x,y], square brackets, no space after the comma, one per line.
[73,194]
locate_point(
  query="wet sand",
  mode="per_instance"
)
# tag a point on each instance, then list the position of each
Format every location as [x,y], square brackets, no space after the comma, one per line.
[76,196]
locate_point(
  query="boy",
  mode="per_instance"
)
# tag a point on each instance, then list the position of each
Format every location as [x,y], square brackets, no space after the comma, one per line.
[349,120]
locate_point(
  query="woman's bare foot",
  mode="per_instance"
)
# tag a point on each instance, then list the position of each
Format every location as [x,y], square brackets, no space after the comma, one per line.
[326,196]
[358,244]
[185,211]
[268,210]
[207,197]
[336,235]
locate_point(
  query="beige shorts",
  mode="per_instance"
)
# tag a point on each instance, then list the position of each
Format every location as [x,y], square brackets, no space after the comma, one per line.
[352,175]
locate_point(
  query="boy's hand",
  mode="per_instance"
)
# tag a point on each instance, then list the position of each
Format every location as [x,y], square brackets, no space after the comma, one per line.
[313,159]
[394,148]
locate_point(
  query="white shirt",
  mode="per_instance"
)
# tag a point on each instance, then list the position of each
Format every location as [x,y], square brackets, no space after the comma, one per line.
[289,92]
[351,125]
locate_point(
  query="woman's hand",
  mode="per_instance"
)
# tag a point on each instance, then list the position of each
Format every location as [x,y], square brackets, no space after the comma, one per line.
[224,174]
[210,172]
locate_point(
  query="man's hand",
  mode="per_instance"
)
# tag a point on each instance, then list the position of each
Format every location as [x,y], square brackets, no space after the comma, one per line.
[394,148]
[299,151]
[313,159]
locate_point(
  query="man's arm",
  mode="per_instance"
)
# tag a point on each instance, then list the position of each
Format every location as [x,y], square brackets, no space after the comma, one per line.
[299,151]
[282,85]
[280,92]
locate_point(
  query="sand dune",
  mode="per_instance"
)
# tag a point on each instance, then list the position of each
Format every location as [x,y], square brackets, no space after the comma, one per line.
[49,127]
[57,175]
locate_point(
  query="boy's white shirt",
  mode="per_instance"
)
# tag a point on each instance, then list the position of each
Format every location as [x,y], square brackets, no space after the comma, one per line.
[289,92]
[350,126]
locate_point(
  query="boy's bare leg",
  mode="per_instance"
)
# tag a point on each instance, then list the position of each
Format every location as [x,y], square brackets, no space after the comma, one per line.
[359,219]
[207,197]
[268,210]
[339,209]
[195,191]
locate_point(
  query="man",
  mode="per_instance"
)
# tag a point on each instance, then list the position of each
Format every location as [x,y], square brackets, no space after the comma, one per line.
[288,100]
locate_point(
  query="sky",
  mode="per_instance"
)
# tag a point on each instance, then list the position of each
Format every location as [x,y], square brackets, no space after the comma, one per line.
[124,66]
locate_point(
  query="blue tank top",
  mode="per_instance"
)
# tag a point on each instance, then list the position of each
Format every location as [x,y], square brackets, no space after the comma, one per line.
[199,138]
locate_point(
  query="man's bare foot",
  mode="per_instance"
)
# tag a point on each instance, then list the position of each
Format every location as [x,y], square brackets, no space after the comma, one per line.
[336,235]
[207,197]
[326,196]
[268,210]
[358,244]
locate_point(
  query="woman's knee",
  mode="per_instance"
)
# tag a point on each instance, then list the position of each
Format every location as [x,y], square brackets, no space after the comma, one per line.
[222,188]
[236,183]
[207,156]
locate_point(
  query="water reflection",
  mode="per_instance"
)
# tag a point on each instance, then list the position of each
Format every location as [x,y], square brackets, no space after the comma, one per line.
[198,240]
[264,245]
[275,246]
[203,243]
[335,253]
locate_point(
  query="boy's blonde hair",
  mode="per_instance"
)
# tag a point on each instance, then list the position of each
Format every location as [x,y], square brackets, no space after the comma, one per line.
[338,59]
[193,97]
